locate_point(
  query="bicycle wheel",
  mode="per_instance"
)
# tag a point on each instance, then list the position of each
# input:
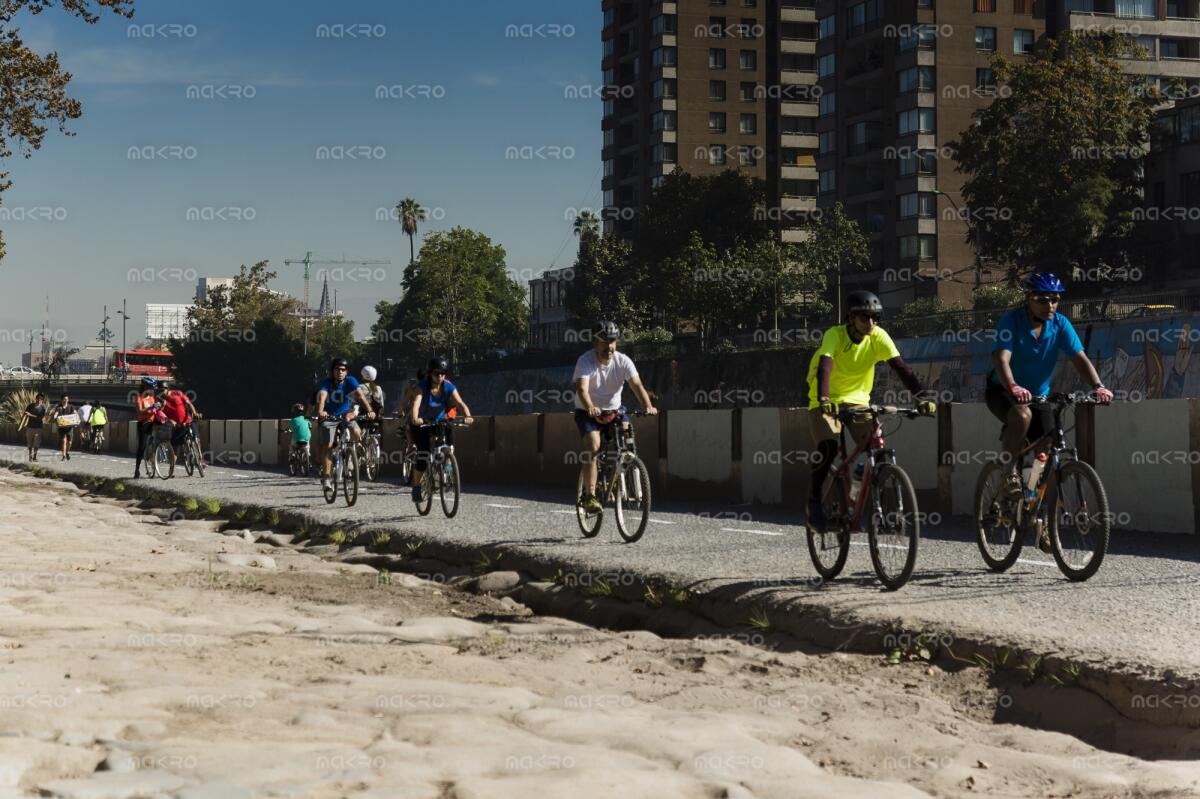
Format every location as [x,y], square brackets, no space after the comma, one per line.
[372,459]
[895,528]
[427,487]
[589,523]
[451,486]
[632,500]
[293,463]
[350,476]
[162,460]
[1080,523]
[996,529]
[830,548]
[189,459]
[331,491]
[406,467]
[197,457]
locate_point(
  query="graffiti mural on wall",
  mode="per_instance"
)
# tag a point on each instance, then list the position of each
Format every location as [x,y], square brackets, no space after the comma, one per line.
[1148,358]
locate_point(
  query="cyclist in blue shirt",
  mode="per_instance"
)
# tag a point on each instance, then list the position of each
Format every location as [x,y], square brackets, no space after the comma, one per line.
[335,398]
[436,399]
[1028,342]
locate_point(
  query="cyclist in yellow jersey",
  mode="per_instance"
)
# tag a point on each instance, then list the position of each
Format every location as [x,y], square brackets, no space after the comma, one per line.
[842,373]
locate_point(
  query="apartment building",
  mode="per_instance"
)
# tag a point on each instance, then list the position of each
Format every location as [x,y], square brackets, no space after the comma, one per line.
[548,315]
[709,85]
[1173,196]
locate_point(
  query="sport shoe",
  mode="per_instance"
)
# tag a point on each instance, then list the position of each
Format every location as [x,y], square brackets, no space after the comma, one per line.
[591,505]
[417,494]
[816,520]
[326,484]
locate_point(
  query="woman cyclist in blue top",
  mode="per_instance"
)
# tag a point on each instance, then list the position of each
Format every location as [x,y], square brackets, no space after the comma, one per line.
[1028,341]
[436,399]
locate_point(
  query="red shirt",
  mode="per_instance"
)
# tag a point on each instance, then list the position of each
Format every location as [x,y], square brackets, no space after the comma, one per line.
[175,407]
[145,402]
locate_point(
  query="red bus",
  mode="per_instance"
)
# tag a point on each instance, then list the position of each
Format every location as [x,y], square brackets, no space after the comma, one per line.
[144,362]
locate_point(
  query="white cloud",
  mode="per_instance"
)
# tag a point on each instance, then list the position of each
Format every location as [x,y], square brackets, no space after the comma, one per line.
[484,79]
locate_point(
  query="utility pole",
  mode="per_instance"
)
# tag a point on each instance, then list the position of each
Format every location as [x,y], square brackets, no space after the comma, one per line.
[104,337]
[124,320]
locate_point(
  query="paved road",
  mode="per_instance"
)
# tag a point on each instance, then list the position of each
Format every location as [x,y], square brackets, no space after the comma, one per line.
[1140,614]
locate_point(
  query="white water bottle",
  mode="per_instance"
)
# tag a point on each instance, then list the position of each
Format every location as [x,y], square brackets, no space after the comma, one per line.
[1035,472]
[856,483]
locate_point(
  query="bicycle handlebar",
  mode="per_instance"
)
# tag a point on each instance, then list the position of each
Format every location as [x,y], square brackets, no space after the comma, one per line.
[456,422]
[1063,399]
[849,414]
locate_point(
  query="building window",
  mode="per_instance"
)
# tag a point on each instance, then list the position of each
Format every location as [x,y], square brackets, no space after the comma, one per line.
[922,162]
[985,6]
[917,79]
[798,126]
[827,104]
[665,152]
[917,120]
[716,58]
[825,66]
[1189,124]
[665,88]
[664,120]
[923,37]
[826,182]
[791,187]
[1022,42]
[748,91]
[747,155]
[716,90]
[918,247]
[749,3]
[985,40]
[748,124]
[797,62]
[793,156]
[716,27]
[664,23]
[716,155]
[748,59]
[663,56]
[1022,6]
[863,17]
[749,28]
[826,27]
[1138,9]
[826,142]
[985,81]
[716,122]
[918,204]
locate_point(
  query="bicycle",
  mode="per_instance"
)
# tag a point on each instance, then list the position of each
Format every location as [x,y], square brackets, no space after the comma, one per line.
[345,464]
[1068,502]
[192,457]
[885,501]
[299,459]
[622,480]
[371,452]
[157,452]
[442,467]
[97,439]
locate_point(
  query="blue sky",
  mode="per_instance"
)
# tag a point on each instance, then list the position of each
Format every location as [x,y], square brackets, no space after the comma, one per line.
[82,213]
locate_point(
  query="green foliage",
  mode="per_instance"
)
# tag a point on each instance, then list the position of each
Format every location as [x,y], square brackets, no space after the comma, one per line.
[12,408]
[760,620]
[190,505]
[411,215]
[210,507]
[458,300]
[604,283]
[381,539]
[1054,164]
[337,537]
[928,316]
[600,588]
[999,299]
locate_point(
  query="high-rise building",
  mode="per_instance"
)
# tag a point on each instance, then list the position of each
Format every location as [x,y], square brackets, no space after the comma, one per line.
[166,321]
[548,315]
[206,284]
[708,85]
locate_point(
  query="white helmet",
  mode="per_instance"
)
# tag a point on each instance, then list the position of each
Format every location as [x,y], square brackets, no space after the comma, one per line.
[368,373]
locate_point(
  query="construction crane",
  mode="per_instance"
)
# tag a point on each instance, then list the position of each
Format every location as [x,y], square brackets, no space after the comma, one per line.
[308,262]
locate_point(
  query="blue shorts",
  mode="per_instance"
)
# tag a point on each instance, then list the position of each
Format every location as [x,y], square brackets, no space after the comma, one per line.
[587,424]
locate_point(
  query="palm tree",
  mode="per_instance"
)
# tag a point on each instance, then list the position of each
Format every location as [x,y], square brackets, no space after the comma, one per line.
[587,223]
[410,214]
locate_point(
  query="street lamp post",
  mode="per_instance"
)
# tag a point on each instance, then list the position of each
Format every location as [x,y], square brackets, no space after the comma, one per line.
[124,348]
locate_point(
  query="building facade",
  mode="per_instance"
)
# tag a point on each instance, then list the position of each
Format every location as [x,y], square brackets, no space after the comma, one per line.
[166,321]
[1173,195]
[206,284]
[548,317]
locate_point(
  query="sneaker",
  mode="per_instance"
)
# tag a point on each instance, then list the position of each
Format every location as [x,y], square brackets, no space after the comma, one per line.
[326,484]
[68,456]
[816,520]
[591,504]
[417,495]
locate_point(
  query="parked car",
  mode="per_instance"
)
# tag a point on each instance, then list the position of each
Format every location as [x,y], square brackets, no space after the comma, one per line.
[19,371]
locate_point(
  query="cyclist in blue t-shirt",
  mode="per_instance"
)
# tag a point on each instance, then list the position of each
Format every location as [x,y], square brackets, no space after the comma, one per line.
[436,399]
[1028,342]
[335,399]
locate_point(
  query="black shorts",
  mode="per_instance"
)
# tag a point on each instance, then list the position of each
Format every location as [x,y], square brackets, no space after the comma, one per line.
[999,401]
[587,424]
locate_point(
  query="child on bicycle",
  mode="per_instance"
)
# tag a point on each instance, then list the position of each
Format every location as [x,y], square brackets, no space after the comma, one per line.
[301,431]
[842,373]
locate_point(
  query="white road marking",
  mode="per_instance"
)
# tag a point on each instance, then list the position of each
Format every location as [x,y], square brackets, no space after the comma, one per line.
[752,532]
[564,511]
[660,521]
[1037,562]
[495,505]
[881,546]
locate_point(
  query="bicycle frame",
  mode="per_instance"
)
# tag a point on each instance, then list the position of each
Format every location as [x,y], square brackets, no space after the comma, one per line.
[1055,442]
[624,448]
[876,448]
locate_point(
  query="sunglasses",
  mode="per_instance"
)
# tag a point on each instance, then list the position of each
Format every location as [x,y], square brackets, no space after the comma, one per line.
[340,369]
[874,317]
[1052,299]
[438,374]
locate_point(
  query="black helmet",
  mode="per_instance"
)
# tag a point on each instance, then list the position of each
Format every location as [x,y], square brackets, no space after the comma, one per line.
[607,330]
[336,362]
[438,363]
[863,302]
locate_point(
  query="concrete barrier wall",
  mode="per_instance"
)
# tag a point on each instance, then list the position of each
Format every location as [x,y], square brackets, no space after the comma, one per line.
[1148,454]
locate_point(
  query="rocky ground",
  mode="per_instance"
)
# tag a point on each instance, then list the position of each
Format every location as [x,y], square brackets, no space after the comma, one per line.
[147,658]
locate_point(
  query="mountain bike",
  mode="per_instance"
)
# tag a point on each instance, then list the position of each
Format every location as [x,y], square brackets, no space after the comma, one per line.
[157,454]
[300,459]
[97,438]
[1066,510]
[622,481]
[885,505]
[442,470]
[344,470]
[370,452]
[189,452]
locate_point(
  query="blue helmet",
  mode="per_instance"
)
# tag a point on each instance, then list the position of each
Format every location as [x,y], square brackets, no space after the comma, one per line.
[1043,282]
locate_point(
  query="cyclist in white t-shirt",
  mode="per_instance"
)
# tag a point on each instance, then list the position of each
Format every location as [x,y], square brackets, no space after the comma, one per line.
[600,376]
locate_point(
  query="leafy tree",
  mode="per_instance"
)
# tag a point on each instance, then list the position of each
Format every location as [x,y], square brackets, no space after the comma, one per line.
[927,316]
[247,301]
[832,243]
[458,299]
[411,214]
[33,88]
[332,337]
[586,225]
[604,283]
[1054,165]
